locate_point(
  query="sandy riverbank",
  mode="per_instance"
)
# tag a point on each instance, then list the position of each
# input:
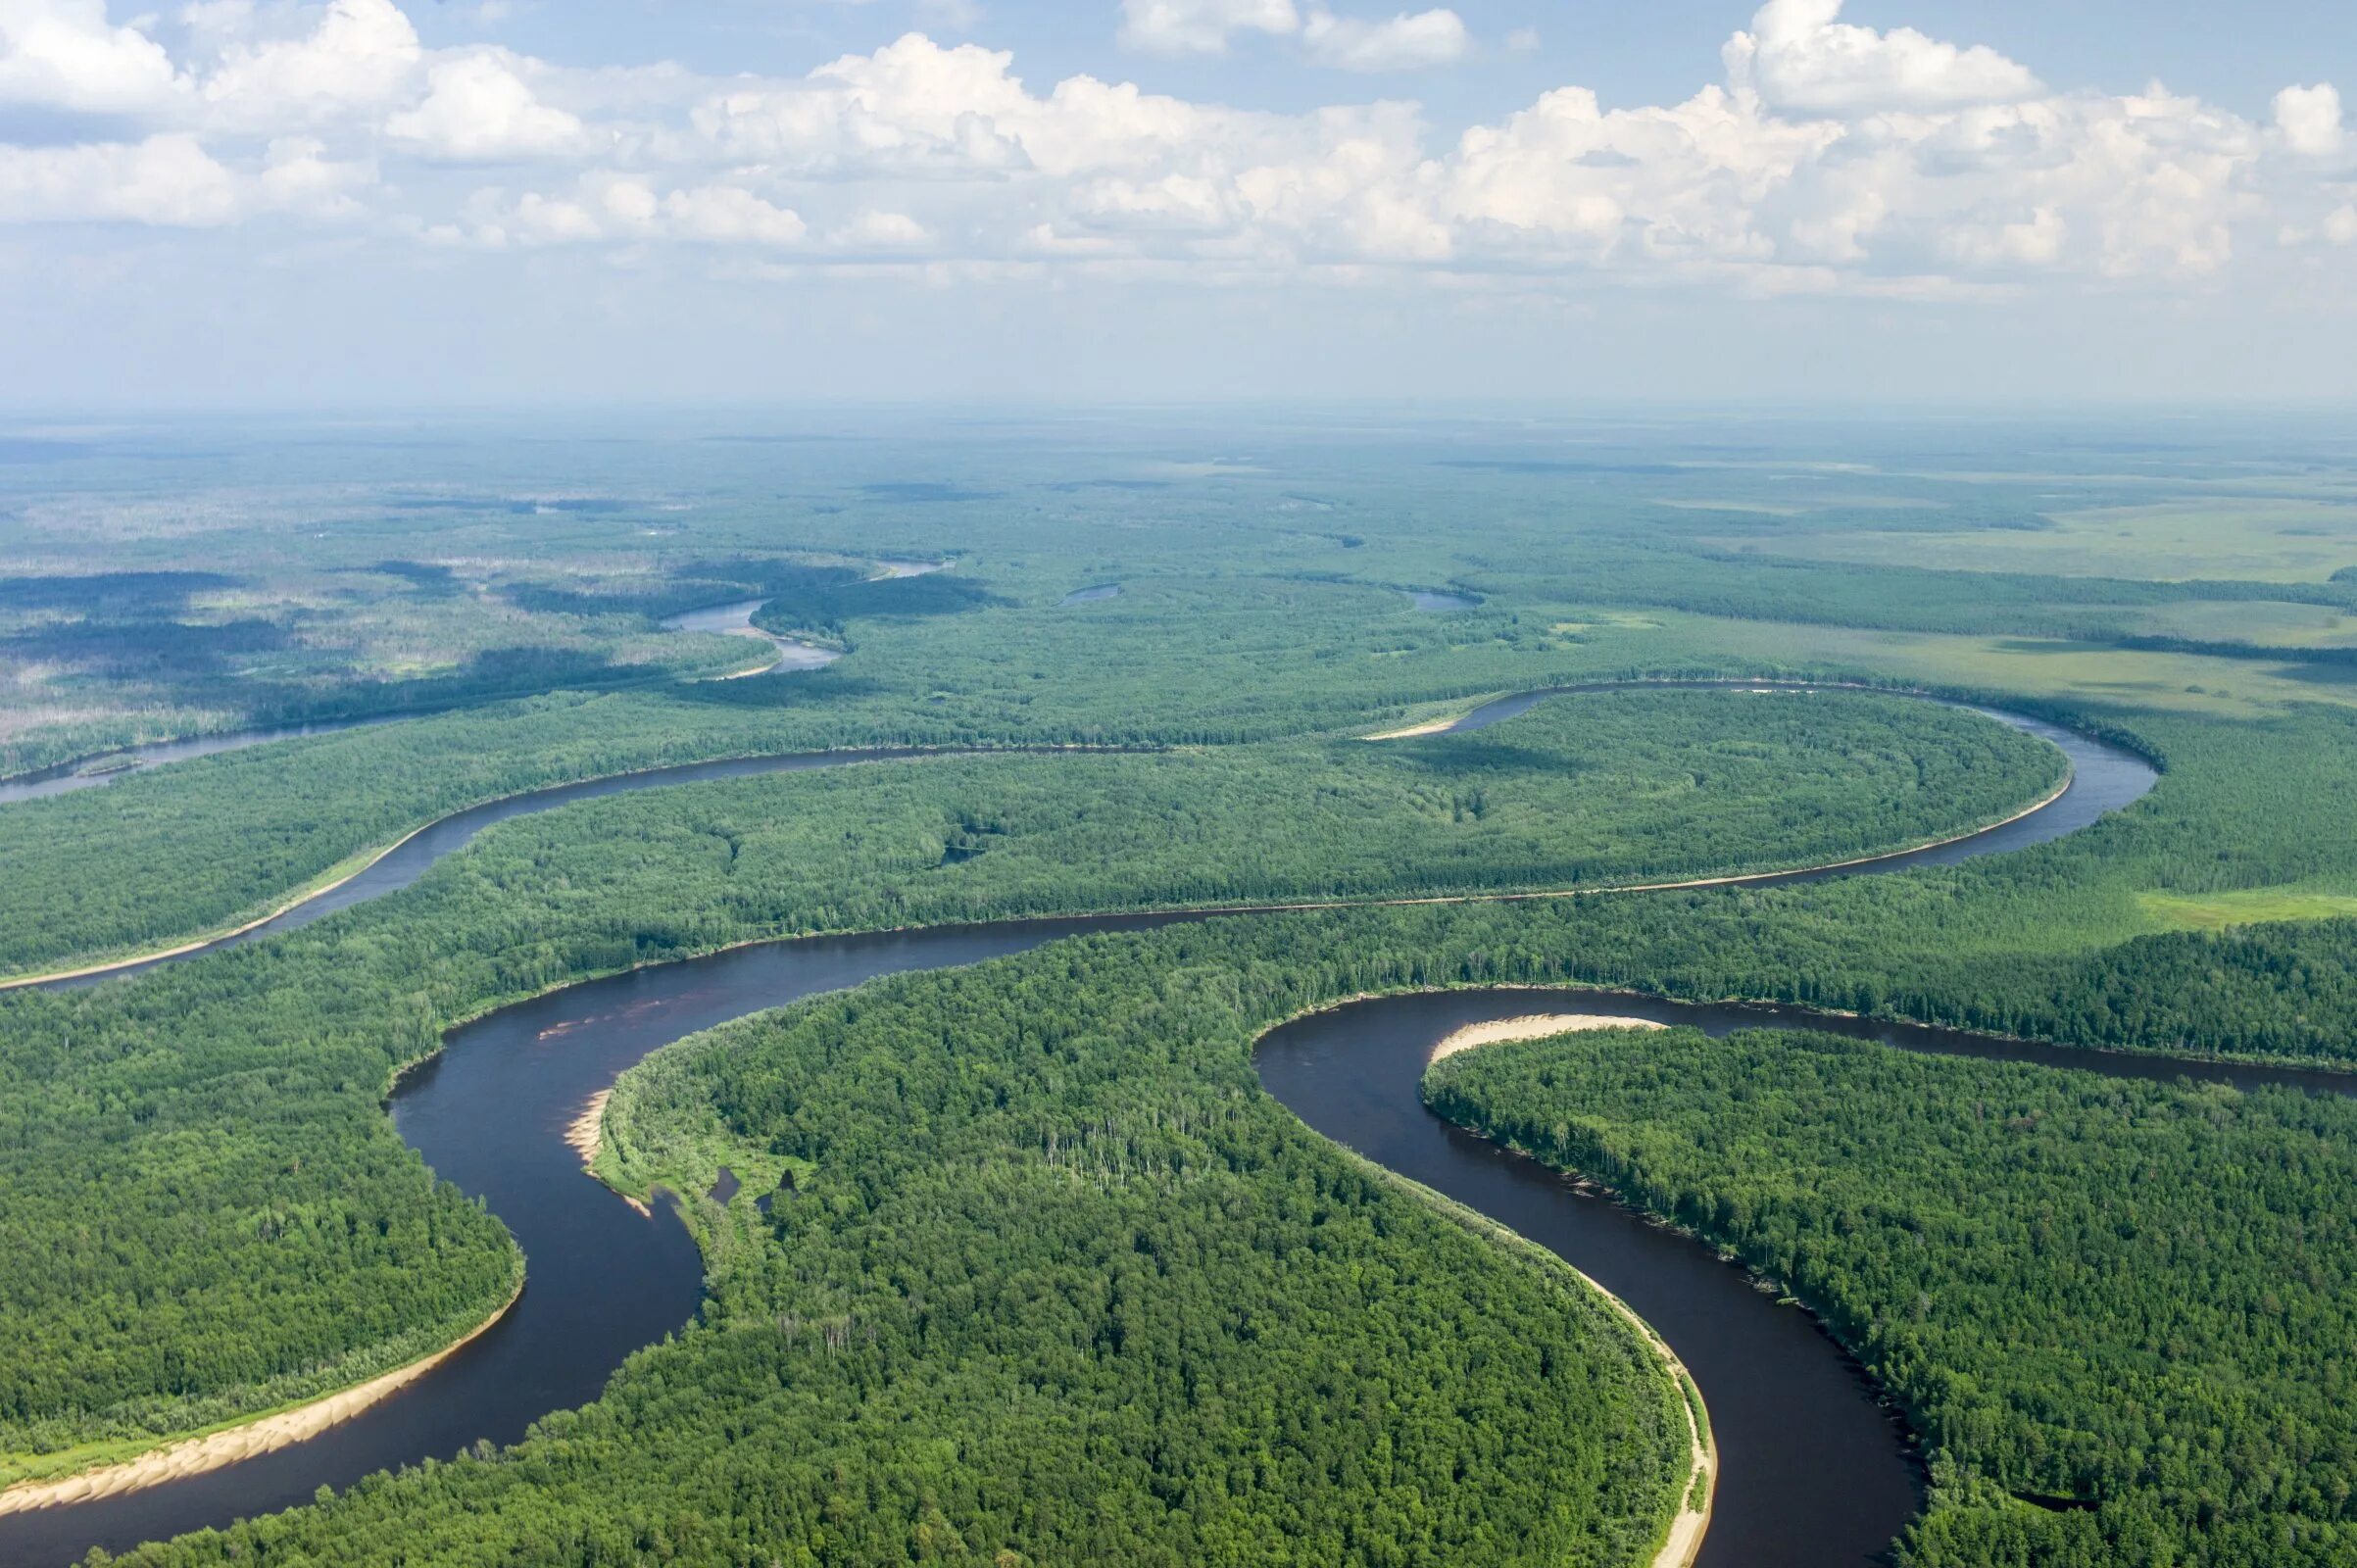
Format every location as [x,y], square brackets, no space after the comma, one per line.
[1437,726]
[219,1450]
[586,1132]
[1529,1026]
[586,1135]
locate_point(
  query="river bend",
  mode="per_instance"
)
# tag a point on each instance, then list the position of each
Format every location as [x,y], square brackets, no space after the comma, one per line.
[1813,1471]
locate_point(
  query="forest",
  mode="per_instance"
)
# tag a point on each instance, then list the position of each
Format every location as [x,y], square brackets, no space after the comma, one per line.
[1137,1314]
[2079,1289]
[1573,793]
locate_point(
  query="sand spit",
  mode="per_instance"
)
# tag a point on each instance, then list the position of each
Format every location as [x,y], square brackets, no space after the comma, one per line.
[586,1135]
[1529,1026]
[585,1132]
[1437,726]
[219,1449]
[1687,1532]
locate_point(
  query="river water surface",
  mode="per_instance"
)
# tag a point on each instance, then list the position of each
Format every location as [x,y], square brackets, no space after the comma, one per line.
[1813,1471]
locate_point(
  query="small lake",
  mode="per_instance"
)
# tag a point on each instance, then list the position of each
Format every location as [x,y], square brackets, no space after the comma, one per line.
[1438,603]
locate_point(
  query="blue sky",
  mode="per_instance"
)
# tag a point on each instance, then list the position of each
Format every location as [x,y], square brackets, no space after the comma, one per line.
[1651,52]
[273,201]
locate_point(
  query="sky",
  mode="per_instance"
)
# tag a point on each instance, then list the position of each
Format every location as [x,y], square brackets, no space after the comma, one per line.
[473,203]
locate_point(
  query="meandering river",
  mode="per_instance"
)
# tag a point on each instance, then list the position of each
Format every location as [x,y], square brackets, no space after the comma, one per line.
[736,620]
[105,767]
[1813,1471]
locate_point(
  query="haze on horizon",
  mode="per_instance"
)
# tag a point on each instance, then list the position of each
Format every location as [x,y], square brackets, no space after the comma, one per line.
[258,202]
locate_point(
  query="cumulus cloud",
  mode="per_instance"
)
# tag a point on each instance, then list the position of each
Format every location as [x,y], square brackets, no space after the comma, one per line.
[1918,168]
[477,109]
[362,54]
[1403,42]
[725,215]
[167,179]
[882,231]
[2309,120]
[1173,203]
[65,54]
[298,175]
[1800,56]
[606,206]
[1829,157]
[1201,26]
[1681,183]
[914,108]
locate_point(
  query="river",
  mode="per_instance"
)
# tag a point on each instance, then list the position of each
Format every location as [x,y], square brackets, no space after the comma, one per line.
[105,767]
[1813,1471]
[736,620]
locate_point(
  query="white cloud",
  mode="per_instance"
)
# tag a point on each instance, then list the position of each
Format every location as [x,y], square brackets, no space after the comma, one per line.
[298,176]
[1201,26]
[1676,184]
[606,206]
[479,108]
[912,107]
[362,54]
[1403,42]
[167,181]
[2034,241]
[2309,120]
[916,109]
[64,53]
[1831,158]
[2341,226]
[1172,204]
[881,231]
[725,215]
[1799,56]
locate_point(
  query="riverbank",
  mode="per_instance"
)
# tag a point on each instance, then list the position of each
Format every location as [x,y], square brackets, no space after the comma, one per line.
[1690,1525]
[334,877]
[1529,1026]
[586,1133]
[218,1451]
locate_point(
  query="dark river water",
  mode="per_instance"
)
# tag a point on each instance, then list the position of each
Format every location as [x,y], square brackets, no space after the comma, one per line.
[417,854]
[1813,1471]
[105,767]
